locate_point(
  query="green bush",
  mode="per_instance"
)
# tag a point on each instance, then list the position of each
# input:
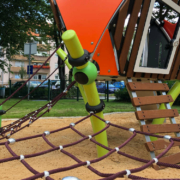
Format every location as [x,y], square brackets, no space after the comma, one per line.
[122,95]
[39,93]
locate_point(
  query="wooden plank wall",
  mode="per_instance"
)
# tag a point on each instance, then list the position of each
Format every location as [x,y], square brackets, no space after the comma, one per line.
[129,34]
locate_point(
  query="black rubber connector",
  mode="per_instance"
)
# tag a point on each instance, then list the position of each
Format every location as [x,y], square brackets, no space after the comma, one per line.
[95,109]
[79,61]
[2,112]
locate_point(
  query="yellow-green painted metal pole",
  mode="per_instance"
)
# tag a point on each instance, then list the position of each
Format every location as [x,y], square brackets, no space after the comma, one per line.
[174,92]
[76,51]
[63,55]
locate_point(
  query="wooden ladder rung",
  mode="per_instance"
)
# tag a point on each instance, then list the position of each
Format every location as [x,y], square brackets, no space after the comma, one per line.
[160,128]
[148,100]
[172,159]
[152,114]
[159,144]
[141,86]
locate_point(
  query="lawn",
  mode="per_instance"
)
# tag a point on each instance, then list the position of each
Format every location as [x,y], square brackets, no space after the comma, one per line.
[65,107]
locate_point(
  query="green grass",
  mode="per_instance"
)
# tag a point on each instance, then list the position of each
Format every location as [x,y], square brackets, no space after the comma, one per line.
[65,107]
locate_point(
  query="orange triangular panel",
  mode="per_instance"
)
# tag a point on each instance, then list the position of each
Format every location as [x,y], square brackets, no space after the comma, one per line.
[87,18]
[105,58]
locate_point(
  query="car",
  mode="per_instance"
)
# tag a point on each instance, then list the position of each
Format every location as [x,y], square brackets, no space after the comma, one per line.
[57,84]
[120,85]
[45,84]
[20,83]
[102,88]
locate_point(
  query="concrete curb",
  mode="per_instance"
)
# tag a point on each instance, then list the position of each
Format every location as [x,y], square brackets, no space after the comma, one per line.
[15,119]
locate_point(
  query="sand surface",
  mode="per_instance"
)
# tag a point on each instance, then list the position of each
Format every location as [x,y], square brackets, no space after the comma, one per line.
[85,150]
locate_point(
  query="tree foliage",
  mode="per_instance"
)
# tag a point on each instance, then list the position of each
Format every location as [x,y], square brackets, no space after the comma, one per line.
[19,20]
[162,11]
[22,72]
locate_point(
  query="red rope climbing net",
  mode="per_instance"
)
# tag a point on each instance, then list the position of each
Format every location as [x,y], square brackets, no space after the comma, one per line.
[62,148]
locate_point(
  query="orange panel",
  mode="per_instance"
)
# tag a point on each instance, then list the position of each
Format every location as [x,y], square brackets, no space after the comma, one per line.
[104,56]
[170,28]
[87,18]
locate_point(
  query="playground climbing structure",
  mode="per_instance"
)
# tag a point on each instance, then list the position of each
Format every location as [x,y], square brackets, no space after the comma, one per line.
[134,41]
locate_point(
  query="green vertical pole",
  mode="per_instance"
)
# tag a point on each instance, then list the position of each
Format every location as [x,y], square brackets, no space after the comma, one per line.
[77,94]
[9,88]
[107,91]
[49,89]
[76,51]
[174,92]
[0,116]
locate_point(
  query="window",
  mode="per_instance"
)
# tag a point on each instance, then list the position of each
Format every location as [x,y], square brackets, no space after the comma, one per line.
[56,65]
[43,77]
[158,44]
[35,77]
[19,64]
[40,77]
[17,76]
[56,77]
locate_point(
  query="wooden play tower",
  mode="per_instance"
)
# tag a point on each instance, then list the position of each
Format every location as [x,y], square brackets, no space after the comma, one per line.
[136,41]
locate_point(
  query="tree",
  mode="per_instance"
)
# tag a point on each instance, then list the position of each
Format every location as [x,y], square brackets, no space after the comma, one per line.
[22,72]
[162,11]
[19,19]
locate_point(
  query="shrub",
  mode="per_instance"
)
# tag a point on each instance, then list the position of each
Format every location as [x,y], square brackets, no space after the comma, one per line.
[122,95]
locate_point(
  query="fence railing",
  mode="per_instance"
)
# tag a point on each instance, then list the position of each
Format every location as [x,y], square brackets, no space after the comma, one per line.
[51,88]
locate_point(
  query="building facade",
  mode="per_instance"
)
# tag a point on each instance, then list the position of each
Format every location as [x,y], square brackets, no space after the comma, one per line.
[19,61]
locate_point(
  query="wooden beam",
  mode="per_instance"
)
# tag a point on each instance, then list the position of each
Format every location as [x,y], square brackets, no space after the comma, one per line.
[129,34]
[54,10]
[140,86]
[160,128]
[152,114]
[141,101]
[172,159]
[159,144]
[120,24]
[137,39]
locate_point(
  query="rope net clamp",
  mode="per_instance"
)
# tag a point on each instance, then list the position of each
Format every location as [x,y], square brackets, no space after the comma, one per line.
[11,141]
[128,172]
[8,135]
[46,133]
[131,130]
[107,122]
[46,174]
[167,138]
[88,163]
[49,106]
[156,161]
[90,137]
[21,157]
[65,91]
[91,112]
[117,149]
[60,147]
[72,124]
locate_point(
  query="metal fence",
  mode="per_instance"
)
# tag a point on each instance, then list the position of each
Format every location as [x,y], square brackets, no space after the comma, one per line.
[51,88]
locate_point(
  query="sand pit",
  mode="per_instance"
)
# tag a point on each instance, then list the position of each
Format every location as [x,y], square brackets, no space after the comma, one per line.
[86,150]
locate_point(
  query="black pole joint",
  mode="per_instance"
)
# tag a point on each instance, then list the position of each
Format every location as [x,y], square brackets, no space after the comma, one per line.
[95,109]
[79,61]
[2,112]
